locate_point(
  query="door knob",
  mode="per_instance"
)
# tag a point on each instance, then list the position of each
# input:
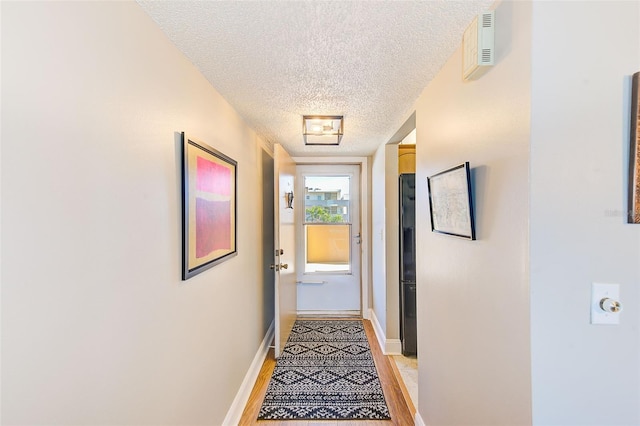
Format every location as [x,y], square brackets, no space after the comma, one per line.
[610,305]
[279,267]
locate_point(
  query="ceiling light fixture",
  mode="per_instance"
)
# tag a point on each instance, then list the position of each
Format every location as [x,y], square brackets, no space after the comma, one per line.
[322,129]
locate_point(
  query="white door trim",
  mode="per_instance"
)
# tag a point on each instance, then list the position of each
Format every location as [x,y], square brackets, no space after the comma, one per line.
[365,222]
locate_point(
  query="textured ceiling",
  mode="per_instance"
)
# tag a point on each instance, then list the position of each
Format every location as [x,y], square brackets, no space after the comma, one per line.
[275,61]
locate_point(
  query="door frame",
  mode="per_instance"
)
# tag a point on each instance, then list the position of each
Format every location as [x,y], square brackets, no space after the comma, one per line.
[365,221]
[350,281]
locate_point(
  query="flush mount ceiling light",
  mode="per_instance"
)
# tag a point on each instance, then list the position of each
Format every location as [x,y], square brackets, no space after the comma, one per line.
[322,129]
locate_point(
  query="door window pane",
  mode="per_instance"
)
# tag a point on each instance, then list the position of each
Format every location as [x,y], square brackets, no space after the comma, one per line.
[326,199]
[327,224]
[328,248]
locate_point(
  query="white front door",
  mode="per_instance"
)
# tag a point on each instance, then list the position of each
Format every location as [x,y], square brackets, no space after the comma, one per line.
[284,235]
[328,239]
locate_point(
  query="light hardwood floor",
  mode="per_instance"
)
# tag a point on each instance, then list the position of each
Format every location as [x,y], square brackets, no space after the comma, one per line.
[401,415]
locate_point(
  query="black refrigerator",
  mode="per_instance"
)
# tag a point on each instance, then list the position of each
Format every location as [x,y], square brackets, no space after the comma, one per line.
[408,334]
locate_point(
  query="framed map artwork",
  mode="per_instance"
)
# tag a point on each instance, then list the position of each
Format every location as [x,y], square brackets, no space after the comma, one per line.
[451,203]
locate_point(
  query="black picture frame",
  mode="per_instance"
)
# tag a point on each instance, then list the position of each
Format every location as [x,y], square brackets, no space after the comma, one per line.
[634,152]
[209,207]
[451,202]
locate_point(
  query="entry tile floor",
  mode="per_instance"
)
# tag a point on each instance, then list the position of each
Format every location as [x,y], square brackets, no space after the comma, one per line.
[408,368]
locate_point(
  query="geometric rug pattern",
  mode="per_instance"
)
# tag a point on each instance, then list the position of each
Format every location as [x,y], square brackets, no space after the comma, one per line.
[326,371]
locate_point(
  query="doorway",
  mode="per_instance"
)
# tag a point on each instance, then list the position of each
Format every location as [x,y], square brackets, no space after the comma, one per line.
[328,243]
[402,194]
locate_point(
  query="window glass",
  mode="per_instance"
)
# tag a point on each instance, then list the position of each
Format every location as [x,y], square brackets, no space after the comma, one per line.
[327,224]
[326,199]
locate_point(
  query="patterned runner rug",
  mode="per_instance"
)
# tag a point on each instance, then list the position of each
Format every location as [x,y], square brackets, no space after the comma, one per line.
[326,371]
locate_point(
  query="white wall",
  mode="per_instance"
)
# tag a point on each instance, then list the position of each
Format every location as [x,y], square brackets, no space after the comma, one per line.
[97,327]
[473,296]
[385,276]
[583,55]
[378,249]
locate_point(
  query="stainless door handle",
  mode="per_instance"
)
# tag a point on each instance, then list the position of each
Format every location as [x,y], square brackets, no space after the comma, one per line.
[279,267]
[610,305]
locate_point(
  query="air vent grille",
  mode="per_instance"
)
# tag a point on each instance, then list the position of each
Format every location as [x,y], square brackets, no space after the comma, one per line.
[487,56]
[478,46]
[487,20]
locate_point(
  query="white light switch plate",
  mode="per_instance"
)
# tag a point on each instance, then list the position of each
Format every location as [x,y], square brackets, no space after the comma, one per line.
[601,291]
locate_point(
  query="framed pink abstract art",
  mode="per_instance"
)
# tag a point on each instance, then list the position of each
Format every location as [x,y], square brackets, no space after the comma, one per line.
[208,207]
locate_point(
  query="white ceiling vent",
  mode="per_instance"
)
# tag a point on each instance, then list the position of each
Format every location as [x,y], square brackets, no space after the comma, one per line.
[478,46]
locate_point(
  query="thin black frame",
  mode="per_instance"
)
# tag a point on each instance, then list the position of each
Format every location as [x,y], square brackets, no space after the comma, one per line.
[465,208]
[188,272]
[634,152]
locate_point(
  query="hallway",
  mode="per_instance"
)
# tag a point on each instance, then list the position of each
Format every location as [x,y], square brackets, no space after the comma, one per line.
[400,412]
[98,327]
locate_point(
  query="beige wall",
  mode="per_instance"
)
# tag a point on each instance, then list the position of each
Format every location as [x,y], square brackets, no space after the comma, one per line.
[392,243]
[97,327]
[473,296]
[579,162]
[546,133]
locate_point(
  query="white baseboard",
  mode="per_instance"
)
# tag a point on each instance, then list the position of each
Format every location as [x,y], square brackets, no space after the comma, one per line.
[242,396]
[393,347]
[377,328]
[388,346]
[419,421]
[366,314]
[337,314]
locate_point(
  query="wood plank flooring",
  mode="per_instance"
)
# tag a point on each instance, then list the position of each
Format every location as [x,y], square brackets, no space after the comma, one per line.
[400,412]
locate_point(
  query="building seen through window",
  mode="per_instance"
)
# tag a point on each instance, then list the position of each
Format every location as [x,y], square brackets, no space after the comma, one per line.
[326,206]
